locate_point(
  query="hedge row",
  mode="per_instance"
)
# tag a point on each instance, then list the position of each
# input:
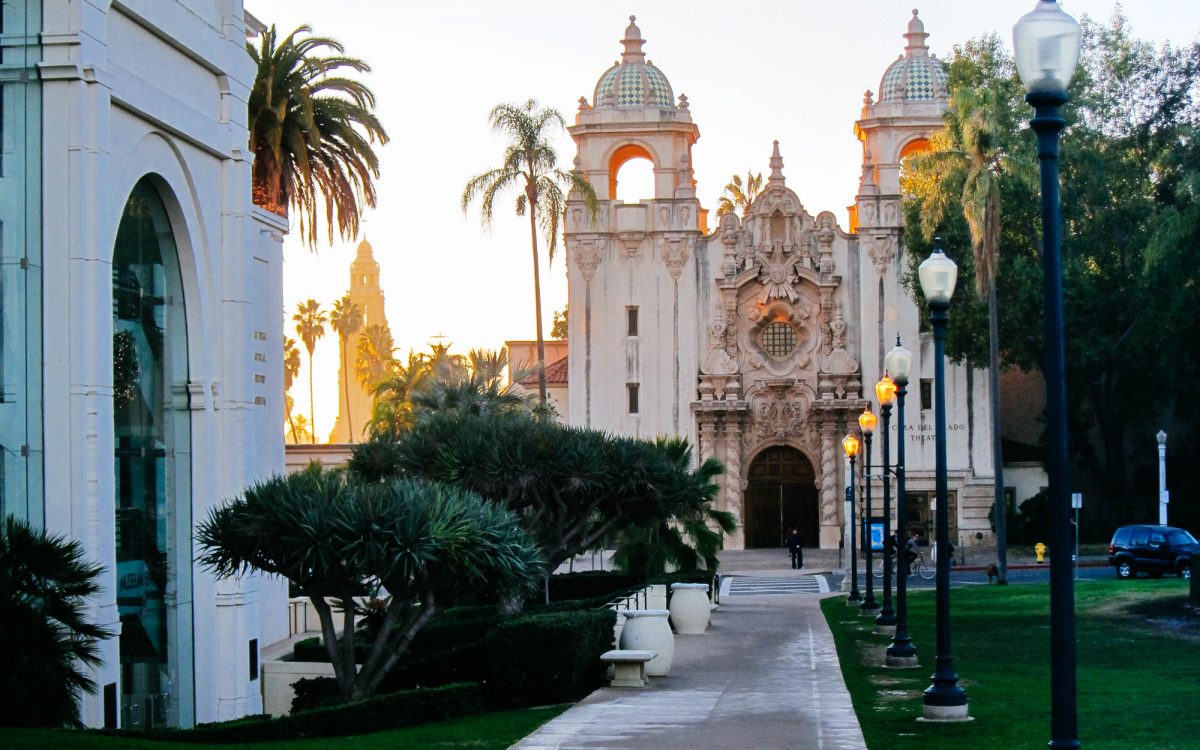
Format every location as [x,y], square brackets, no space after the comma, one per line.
[590,584]
[546,658]
[360,717]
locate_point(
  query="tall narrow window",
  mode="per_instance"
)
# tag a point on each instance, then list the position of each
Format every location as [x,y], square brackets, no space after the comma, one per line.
[633,397]
[926,393]
[153,475]
[631,321]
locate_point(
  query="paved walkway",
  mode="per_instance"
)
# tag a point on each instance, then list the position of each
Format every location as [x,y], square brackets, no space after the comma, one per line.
[765,675]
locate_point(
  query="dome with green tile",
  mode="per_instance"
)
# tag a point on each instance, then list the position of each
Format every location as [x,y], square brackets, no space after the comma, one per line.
[634,81]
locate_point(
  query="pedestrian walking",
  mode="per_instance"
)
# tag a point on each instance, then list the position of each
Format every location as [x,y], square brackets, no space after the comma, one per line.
[794,546]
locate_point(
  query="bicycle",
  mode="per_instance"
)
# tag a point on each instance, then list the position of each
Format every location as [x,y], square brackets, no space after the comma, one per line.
[920,566]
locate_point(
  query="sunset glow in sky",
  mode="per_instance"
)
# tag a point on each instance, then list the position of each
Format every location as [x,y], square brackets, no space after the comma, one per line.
[753,72]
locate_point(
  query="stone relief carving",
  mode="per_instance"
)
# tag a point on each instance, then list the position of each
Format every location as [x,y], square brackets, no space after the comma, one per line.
[718,361]
[838,327]
[889,213]
[778,416]
[777,272]
[882,250]
[825,237]
[828,479]
[588,254]
[675,253]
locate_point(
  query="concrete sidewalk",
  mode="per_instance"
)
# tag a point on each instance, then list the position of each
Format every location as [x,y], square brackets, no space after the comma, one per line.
[765,675]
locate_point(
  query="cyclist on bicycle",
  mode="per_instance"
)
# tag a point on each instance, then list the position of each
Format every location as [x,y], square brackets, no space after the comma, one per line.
[911,553]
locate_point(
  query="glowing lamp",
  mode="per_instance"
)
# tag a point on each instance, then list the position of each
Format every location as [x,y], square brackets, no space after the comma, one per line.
[850,445]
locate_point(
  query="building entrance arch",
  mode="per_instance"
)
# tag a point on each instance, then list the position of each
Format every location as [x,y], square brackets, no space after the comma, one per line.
[781,493]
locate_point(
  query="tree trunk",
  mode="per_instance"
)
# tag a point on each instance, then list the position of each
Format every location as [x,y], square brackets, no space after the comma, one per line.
[1112,436]
[537,294]
[346,390]
[312,413]
[1000,507]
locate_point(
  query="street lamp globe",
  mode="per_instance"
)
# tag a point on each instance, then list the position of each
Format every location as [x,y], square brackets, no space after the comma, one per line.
[938,275]
[885,390]
[1046,47]
[867,421]
[899,363]
[850,445]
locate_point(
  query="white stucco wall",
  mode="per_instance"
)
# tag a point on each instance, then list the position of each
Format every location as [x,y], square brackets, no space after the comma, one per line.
[159,88]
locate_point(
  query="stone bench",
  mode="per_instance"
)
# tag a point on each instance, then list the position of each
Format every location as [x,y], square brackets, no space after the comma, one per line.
[629,667]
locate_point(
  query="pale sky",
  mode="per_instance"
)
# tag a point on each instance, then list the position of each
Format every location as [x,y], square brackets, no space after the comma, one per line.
[753,71]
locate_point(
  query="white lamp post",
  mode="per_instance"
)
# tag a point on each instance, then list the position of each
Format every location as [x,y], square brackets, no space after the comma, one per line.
[1163,497]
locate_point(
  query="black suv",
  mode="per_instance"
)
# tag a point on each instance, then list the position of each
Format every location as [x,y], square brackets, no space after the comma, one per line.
[1153,549]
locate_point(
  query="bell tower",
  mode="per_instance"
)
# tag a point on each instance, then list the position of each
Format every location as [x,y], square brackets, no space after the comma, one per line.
[632,272]
[354,403]
[913,96]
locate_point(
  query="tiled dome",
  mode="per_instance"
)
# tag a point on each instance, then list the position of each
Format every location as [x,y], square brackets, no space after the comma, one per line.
[633,82]
[917,75]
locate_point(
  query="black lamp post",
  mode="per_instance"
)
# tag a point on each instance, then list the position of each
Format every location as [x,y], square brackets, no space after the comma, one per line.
[900,652]
[945,700]
[1046,46]
[885,623]
[866,424]
[850,445]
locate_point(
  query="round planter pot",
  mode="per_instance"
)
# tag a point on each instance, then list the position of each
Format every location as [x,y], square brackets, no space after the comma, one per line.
[690,609]
[648,630]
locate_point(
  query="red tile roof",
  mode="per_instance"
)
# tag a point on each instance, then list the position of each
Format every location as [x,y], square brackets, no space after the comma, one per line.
[556,374]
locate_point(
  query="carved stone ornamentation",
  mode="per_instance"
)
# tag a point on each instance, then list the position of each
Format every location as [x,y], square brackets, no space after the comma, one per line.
[778,416]
[882,250]
[718,361]
[587,256]
[777,272]
[829,514]
[675,254]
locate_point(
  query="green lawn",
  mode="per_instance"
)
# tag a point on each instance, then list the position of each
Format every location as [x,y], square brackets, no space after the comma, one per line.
[493,731]
[1138,658]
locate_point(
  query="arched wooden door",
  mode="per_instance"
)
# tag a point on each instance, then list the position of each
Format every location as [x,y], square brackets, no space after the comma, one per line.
[781,493]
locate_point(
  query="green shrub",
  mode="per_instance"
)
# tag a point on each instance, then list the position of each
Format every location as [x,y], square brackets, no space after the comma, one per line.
[591,584]
[551,657]
[315,692]
[360,717]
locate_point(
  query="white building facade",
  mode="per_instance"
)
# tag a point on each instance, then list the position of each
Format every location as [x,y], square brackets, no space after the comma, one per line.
[141,333]
[761,340]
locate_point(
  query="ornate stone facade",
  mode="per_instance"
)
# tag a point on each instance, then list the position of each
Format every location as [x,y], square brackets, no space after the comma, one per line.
[758,339]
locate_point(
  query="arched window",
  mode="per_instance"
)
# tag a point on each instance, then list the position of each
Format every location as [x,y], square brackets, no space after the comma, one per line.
[151,425]
[631,174]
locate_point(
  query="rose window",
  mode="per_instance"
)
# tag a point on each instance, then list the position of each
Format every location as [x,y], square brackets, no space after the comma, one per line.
[778,340]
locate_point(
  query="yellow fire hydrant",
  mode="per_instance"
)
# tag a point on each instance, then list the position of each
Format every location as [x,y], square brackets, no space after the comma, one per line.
[1040,550]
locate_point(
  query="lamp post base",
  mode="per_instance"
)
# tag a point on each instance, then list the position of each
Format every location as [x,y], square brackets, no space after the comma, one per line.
[946,714]
[900,662]
[868,609]
[881,629]
[854,600]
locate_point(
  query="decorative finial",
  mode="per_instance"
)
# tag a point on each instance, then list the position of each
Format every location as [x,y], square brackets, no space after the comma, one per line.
[633,43]
[776,165]
[916,34]
[583,103]
[868,97]
[683,101]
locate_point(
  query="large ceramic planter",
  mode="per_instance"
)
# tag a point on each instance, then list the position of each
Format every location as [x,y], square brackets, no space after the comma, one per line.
[689,608]
[648,630]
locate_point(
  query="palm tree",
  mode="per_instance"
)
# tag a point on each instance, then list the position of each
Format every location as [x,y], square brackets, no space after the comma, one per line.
[375,356]
[312,130]
[531,164]
[310,325]
[739,195]
[965,164]
[347,320]
[44,582]
[291,368]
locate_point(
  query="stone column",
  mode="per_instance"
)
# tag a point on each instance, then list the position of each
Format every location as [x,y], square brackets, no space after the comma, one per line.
[734,481]
[831,530]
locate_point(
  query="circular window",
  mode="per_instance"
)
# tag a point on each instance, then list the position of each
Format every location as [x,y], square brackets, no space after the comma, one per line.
[778,340]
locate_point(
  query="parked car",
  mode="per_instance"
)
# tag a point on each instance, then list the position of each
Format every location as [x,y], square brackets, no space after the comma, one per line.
[1152,549]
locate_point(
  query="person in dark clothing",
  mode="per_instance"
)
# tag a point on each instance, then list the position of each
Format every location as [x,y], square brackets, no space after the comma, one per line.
[793,543]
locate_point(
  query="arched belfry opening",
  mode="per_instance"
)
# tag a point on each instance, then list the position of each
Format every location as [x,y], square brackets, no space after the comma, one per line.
[781,493]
